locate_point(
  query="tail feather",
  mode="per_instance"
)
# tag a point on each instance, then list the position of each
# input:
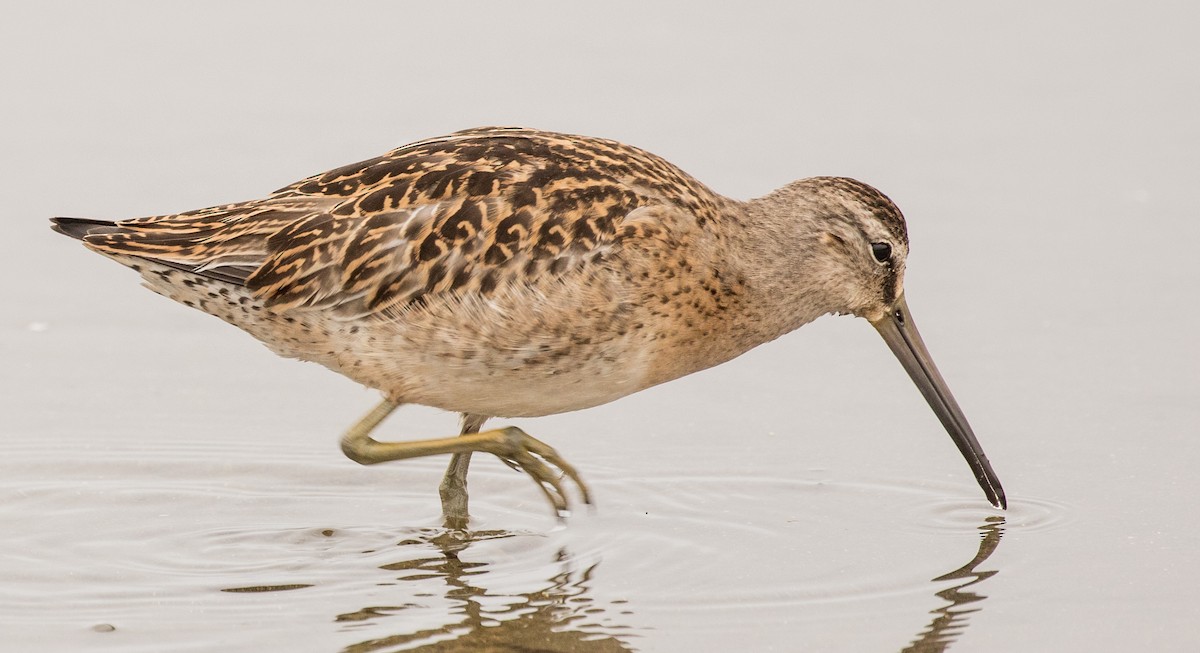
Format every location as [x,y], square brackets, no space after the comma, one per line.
[80,228]
[77,228]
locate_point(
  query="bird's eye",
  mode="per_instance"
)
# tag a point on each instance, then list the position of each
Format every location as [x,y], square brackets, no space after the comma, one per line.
[882,252]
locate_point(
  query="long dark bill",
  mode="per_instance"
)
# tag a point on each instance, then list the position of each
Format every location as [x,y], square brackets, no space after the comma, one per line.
[901,335]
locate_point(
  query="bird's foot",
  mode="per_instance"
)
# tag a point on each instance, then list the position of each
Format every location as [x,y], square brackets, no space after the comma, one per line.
[454,505]
[523,452]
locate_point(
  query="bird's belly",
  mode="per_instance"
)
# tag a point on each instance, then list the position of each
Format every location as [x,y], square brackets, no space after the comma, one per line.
[471,377]
[528,392]
[539,352]
[556,350]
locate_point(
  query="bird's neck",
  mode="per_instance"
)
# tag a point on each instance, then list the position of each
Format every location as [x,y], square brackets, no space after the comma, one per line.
[774,249]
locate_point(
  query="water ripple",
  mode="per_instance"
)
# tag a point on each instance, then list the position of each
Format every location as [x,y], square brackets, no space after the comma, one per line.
[956,515]
[241,533]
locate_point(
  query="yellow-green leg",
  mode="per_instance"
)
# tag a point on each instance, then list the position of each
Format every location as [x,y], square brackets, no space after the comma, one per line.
[512,445]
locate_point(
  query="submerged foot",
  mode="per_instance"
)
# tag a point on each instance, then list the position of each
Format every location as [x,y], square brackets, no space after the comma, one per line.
[454,504]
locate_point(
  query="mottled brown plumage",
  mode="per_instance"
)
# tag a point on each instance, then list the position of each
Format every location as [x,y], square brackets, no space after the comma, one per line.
[515,272]
[464,213]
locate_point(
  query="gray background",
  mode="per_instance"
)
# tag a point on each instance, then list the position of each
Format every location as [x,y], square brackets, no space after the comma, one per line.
[1046,156]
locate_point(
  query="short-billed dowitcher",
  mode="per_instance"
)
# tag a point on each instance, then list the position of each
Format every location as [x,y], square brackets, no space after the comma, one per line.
[513,272]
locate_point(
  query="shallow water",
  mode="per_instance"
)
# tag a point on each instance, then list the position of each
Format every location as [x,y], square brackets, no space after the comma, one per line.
[191,541]
[166,484]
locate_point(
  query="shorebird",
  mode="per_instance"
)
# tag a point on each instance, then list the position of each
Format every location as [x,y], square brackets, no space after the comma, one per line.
[511,272]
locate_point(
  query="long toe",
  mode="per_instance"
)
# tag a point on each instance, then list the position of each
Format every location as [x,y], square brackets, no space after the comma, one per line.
[522,451]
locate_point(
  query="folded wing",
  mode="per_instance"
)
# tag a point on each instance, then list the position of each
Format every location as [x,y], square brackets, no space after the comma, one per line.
[464,213]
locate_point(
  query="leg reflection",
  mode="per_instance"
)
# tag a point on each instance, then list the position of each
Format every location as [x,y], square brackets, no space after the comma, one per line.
[558,617]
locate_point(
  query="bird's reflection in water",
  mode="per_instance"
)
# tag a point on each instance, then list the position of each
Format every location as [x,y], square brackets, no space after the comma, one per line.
[950,620]
[558,617]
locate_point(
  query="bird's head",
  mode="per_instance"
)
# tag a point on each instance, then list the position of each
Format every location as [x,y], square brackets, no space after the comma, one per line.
[851,246]
[854,244]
